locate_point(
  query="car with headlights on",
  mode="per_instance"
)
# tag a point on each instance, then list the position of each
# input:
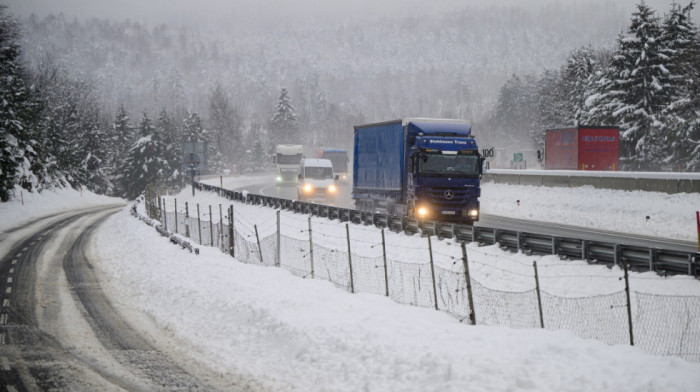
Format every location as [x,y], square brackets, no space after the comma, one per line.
[316,181]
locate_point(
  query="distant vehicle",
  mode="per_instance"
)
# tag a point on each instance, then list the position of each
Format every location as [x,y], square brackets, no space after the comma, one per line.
[287,160]
[582,148]
[340,160]
[422,168]
[316,181]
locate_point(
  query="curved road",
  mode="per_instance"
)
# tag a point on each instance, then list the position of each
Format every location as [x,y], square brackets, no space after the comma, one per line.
[58,331]
[504,223]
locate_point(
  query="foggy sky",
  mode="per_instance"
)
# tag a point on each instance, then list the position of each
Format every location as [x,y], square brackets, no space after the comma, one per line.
[278,13]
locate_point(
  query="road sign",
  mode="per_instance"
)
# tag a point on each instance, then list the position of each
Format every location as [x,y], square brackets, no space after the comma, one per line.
[488,153]
[193,160]
[518,157]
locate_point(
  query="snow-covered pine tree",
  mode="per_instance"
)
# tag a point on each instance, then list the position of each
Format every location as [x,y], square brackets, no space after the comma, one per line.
[682,47]
[224,128]
[144,163]
[284,127]
[639,90]
[576,77]
[20,155]
[122,137]
[193,130]
[165,127]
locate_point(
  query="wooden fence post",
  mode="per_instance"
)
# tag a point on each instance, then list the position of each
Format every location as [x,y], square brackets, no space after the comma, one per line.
[467,276]
[352,281]
[311,249]
[257,238]
[432,272]
[539,297]
[629,305]
[199,225]
[386,274]
[176,217]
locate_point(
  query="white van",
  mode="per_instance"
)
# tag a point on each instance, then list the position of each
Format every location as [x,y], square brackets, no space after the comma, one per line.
[316,181]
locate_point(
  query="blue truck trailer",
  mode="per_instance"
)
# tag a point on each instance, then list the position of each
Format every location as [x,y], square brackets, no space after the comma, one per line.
[420,168]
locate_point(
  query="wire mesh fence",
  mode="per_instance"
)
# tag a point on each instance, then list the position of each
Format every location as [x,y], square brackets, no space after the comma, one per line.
[663,325]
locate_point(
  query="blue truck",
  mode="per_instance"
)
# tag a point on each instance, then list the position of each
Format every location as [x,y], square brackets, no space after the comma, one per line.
[420,168]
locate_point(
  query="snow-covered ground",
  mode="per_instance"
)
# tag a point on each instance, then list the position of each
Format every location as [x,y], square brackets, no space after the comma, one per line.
[308,335]
[27,206]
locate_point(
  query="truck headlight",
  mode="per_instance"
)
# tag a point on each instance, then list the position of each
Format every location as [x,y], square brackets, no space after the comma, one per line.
[279,178]
[308,188]
[332,188]
[422,211]
[473,213]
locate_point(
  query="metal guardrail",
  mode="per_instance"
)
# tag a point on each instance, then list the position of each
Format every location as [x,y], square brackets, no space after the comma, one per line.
[162,231]
[662,261]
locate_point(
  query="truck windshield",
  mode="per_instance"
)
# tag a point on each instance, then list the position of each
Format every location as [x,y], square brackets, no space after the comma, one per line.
[449,165]
[339,160]
[318,173]
[284,159]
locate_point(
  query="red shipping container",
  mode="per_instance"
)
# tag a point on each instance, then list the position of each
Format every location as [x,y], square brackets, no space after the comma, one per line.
[583,148]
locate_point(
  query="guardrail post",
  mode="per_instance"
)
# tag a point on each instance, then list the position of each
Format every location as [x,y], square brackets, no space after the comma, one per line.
[257,239]
[386,274]
[617,250]
[629,305]
[211,228]
[432,272]
[539,296]
[521,241]
[311,249]
[176,217]
[199,225]
[187,220]
[467,276]
[352,281]
[277,255]
[652,258]
[584,250]
[555,245]
[475,234]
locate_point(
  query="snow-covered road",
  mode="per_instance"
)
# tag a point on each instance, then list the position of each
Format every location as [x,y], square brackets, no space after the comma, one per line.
[293,334]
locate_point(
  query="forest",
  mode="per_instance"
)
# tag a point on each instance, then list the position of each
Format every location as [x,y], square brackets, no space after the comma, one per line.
[106,105]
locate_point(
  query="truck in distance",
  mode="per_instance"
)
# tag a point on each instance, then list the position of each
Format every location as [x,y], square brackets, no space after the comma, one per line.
[340,160]
[287,161]
[316,181]
[420,168]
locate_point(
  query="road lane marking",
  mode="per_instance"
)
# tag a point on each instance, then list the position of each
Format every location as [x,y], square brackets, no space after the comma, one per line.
[5,364]
[9,279]
[12,270]
[25,248]
[2,337]
[11,388]
[6,303]
[14,261]
[3,319]
[8,290]
[19,254]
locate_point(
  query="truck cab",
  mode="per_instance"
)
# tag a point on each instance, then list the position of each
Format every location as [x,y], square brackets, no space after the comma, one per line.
[316,181]
[287,161]
[444,178]
[417,167]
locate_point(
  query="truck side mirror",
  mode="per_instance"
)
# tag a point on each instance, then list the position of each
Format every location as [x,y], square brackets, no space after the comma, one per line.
[481,165]
[336,177]
[299,176]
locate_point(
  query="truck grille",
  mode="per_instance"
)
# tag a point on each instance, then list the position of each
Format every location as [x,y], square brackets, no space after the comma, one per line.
[436,196]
